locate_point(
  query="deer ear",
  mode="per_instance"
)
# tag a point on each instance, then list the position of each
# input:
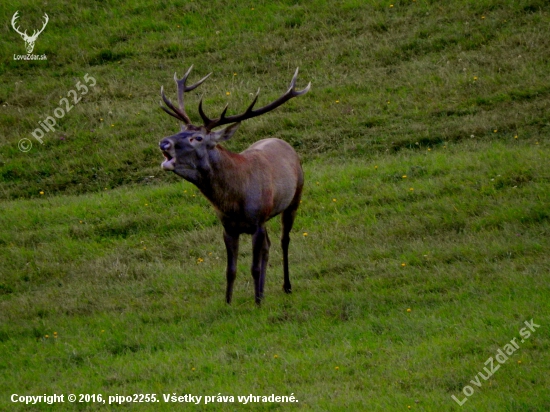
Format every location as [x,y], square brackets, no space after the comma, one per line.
[225,134]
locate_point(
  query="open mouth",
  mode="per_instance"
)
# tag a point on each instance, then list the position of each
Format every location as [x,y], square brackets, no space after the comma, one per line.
[168,164]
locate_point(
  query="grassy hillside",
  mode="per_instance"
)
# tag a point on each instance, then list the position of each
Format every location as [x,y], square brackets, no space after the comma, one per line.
[420,249]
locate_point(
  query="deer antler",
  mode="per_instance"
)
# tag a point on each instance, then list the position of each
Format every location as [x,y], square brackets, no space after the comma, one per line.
[182,88]
[46,20]
[249,112]
[13,21]
[25,35]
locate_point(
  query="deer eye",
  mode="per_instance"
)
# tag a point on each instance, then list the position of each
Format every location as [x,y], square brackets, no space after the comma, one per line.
[199,138]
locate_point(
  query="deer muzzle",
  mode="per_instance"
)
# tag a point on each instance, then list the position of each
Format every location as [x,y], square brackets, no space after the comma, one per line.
[167,150]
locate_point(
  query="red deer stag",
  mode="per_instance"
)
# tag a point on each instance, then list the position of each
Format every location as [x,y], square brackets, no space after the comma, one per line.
[246,189]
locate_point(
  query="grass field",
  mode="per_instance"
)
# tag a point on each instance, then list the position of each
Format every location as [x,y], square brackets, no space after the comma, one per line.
[420,249]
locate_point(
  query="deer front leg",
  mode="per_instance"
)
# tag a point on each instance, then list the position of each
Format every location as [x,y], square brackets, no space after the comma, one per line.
[260,255]
[263,268]
[232,248]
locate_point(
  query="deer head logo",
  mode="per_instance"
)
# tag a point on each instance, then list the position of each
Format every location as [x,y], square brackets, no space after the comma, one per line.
[29,40]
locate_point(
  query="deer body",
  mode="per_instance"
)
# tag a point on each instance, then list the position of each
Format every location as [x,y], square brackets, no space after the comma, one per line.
[246,189]
[249,188]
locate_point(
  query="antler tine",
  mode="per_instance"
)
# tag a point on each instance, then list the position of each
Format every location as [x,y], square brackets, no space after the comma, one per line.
[181,82]
[249,112]
[207,121]
[292,88]
[180,113]
[177,113]
[251,105]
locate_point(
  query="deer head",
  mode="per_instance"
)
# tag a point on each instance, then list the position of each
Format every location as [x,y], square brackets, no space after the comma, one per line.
[29,40]
[188,149]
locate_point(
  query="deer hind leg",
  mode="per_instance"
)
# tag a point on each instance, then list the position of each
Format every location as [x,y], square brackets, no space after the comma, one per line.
[232,248]
[288,220]
[260,256]
[287,217]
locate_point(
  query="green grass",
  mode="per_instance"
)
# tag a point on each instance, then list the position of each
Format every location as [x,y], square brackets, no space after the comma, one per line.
[425,146]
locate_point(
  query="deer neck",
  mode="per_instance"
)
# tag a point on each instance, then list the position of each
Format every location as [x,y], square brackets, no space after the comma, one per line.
[221,177]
